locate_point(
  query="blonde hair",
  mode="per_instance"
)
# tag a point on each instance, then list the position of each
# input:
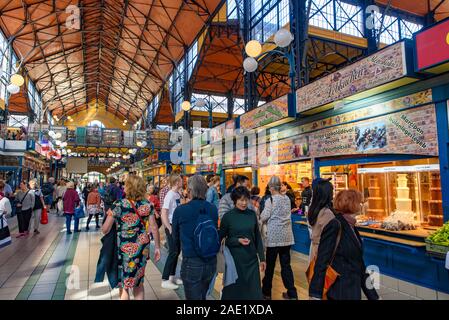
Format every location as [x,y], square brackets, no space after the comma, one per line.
[70,185]
[34,184]
[135,188]
[174,180]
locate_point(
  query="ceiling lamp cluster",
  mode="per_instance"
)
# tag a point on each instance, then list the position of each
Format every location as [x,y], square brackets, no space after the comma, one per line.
[124,122]
[141,144]
[69,118]
[16,81]
[282,39]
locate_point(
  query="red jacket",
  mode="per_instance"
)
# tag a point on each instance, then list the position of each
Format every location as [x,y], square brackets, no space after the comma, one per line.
[157,205]
[71,201]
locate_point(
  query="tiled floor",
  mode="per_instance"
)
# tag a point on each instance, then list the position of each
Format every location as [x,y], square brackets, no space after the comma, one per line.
[57,266]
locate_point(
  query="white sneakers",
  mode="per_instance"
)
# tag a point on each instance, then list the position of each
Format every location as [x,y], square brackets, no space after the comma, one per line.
[173,283]
[167,284]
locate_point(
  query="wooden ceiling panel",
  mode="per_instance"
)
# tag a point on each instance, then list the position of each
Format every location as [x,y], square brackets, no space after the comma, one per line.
[119,55]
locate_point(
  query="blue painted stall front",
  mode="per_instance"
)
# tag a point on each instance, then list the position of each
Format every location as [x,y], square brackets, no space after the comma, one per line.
[396,260]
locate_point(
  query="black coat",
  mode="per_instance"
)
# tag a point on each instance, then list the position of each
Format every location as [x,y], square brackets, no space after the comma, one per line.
[108,260]
[348,262]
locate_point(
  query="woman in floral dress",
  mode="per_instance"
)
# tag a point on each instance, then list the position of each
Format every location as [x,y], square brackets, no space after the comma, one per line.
[132,215]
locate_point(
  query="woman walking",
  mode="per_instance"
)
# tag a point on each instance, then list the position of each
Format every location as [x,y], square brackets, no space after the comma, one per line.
[131,216]
[154,199]
[60,190]
[320,213]
[38,204]
[71,201]
[240,229]
[93,207]
[212,195]
[277,216]
[24,208]
[341,247]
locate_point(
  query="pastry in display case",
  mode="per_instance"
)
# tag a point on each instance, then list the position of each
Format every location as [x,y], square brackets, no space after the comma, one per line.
[399,195]
[435,218]
[375,202]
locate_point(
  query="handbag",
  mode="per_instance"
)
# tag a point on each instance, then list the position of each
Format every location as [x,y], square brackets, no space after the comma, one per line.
[44,216]
[79,212]
[331,275]
[5,236]
[92,209]
[221,263]
[19,209]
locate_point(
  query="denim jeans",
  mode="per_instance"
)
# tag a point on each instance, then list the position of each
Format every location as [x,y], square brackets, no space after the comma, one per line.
[196,276]
[68,221]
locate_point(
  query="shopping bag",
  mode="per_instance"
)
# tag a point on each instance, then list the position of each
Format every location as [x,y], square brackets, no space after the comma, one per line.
[60,205]
[44,216]
[5,236]
[79,212]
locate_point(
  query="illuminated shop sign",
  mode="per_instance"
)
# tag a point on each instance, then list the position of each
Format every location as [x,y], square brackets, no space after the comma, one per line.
[432,48]
[383,70]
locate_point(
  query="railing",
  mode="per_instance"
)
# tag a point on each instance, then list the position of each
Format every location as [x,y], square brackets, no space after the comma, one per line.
[102,137]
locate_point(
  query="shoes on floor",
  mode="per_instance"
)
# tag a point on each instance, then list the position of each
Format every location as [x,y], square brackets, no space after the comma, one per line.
[76,231]
[36,231]
[175,280]
[20,235]
[97,227]
[87,228]
[167,284]
[69,232]
[287,297]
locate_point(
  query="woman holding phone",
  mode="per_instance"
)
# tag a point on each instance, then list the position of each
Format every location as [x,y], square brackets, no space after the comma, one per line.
[241,230]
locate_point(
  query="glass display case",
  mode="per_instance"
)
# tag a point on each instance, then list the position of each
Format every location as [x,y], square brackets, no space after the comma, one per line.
[400,195]
[292,173]
[247,171]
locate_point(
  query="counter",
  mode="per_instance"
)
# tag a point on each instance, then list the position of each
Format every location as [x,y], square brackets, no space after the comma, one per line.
[398,255]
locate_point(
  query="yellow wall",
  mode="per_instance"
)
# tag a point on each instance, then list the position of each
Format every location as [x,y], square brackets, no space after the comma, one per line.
[82,118]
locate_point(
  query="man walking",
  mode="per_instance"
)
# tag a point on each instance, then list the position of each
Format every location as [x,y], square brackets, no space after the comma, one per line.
[171,201]
[185,222]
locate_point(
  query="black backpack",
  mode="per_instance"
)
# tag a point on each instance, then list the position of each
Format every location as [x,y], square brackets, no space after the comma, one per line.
[47,189]
[108,196]
[37,202]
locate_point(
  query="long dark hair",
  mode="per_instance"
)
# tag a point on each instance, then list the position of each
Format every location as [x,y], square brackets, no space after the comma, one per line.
[322,195]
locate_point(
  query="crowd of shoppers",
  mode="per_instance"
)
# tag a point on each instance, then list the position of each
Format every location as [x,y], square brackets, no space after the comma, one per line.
[249,230]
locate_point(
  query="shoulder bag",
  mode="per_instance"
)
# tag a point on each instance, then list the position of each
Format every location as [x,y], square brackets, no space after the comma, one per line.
[19,209]
[331,275]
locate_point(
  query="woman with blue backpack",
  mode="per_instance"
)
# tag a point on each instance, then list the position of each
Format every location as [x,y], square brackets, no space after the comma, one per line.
[194,230]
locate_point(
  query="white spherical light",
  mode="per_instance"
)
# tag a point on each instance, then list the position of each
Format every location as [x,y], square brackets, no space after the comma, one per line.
[200,103]
[185,106]
[253,48]
[139,143]
[13,89]
[250,64]
[17,79]
[130,150]
[283,38]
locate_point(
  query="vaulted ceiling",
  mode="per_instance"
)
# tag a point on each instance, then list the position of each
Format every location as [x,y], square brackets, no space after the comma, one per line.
[119,52]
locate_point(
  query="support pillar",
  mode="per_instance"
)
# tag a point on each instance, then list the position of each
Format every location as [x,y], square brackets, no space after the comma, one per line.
[369,31]
[442,94]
